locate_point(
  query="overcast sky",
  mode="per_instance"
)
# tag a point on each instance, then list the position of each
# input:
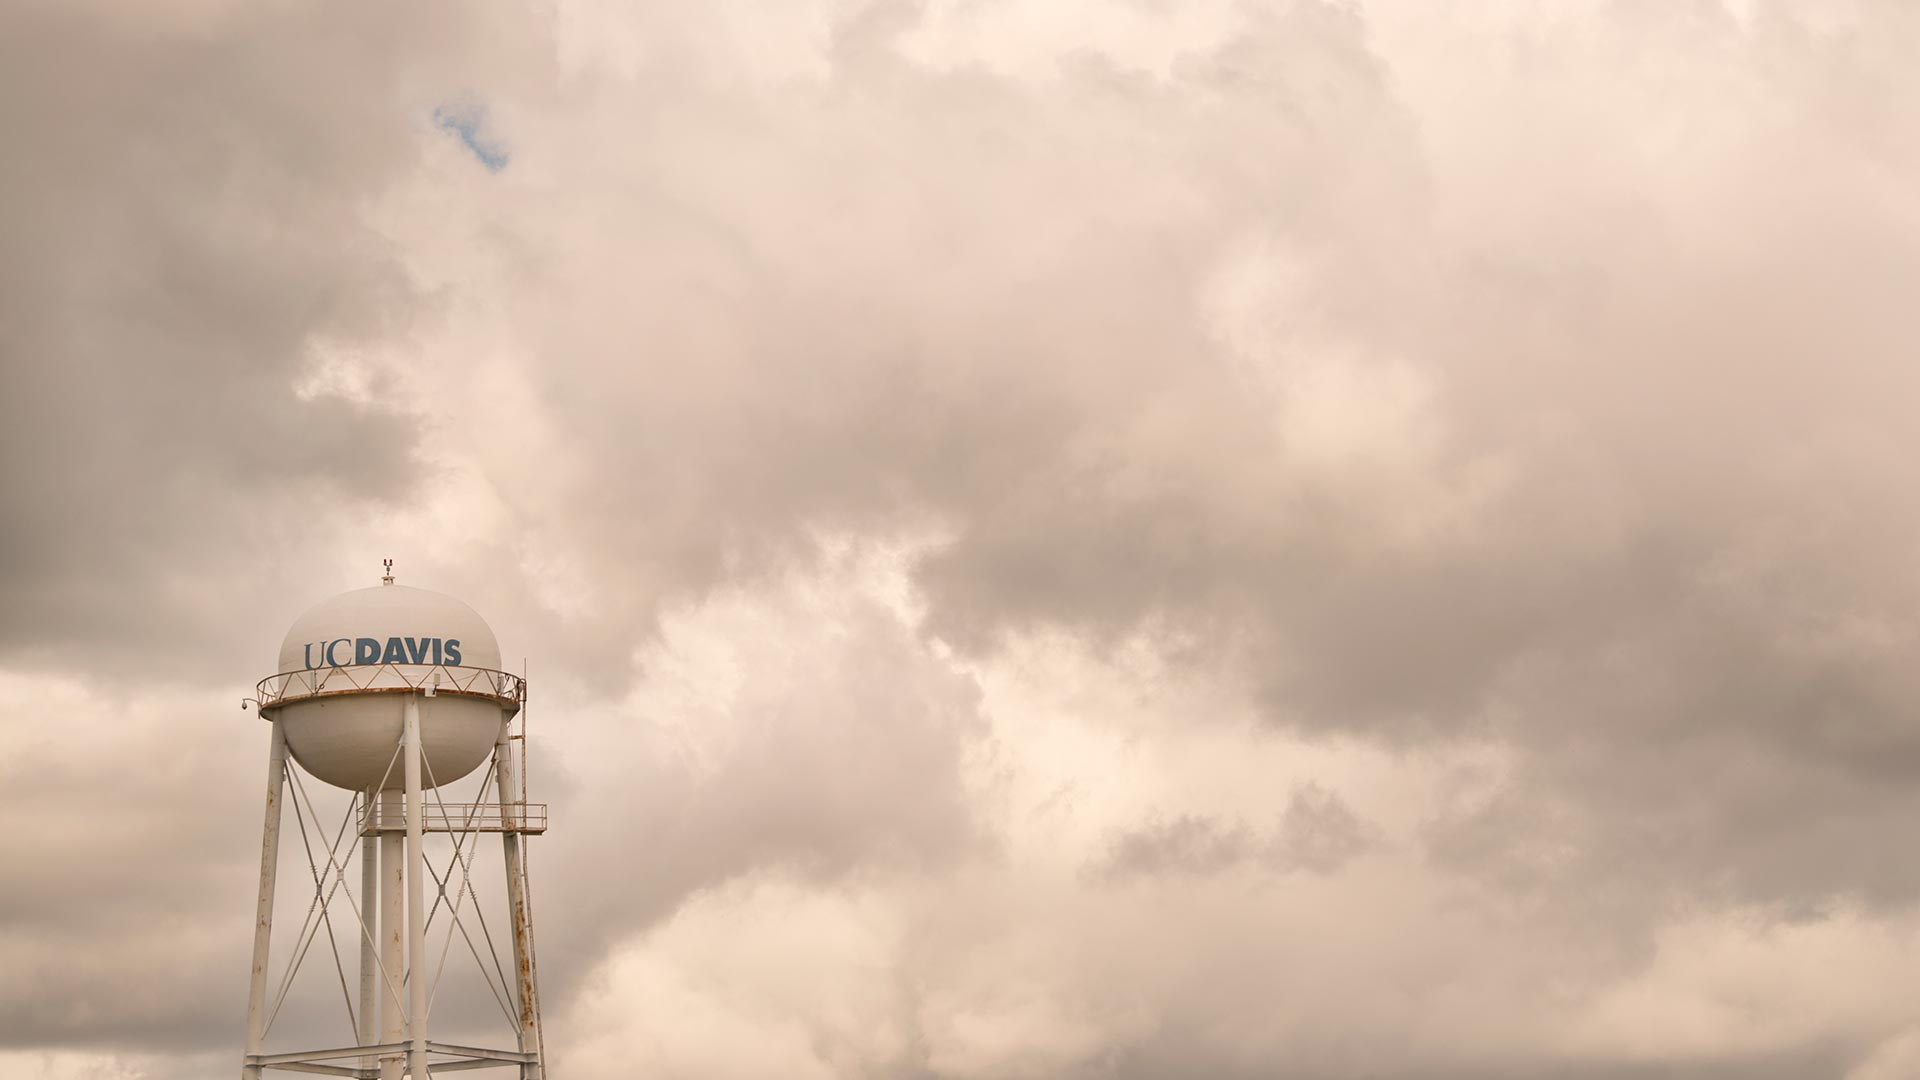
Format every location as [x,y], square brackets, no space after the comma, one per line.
[1132,539]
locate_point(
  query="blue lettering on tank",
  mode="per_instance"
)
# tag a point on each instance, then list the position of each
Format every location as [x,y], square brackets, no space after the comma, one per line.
[394,650]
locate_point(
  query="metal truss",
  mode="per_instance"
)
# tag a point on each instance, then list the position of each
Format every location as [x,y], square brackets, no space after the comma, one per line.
[384,981]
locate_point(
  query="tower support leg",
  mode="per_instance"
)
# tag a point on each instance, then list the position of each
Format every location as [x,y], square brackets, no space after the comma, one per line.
[369,938]
[416,898]
[393,924]
[526,986]
[263,909]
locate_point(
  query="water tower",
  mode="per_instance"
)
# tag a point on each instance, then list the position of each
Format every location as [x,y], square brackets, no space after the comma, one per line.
[394,693]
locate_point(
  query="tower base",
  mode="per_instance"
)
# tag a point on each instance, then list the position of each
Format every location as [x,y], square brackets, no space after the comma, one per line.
[325,1062]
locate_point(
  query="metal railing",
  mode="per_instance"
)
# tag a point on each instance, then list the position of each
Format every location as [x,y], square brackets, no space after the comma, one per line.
[465,1057]
[439,817]
[502,686]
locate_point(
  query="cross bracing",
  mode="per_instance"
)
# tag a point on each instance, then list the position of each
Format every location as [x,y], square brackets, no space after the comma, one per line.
[373,822]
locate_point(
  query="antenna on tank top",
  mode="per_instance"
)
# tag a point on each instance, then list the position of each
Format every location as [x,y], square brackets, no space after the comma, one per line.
[387,578]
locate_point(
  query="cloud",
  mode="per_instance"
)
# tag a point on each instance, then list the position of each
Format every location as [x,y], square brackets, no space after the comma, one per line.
[133,817]
[803,728]
[1318,833]
[963,474]
[1188,843]
[186,206]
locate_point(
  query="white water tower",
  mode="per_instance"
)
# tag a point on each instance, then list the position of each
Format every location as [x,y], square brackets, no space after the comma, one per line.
[395,693]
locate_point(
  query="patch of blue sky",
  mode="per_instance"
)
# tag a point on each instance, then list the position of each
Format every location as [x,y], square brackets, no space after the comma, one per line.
[468,123]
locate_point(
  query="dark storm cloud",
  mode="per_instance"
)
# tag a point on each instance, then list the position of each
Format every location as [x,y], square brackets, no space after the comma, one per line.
[967,303]
[1186,844]
[1318,833]
[182,203]
[1574,419]
[1527,382]
[1558,403]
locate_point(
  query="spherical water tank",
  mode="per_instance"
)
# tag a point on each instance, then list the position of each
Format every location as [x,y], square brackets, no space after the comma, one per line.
[347,666]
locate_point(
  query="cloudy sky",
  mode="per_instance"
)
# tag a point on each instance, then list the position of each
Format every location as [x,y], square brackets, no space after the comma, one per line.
[1131,539]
